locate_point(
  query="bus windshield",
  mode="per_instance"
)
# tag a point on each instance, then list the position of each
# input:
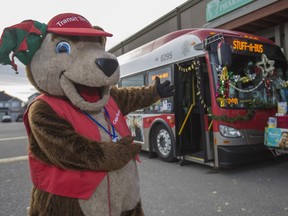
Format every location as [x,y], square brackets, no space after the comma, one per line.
[252,78]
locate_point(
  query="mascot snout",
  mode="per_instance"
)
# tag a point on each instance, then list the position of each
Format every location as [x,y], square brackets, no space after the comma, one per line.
[108,66]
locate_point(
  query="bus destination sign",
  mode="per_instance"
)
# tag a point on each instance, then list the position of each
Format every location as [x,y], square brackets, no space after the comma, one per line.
[161,76]
[240,45]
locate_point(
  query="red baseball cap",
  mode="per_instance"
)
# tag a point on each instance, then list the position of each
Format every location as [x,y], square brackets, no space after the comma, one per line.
[74,25]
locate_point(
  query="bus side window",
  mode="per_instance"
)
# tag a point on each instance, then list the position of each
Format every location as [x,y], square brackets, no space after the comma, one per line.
[164,105]
[136,80]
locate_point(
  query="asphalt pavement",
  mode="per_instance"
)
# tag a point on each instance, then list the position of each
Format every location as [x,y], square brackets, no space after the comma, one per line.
[167,189]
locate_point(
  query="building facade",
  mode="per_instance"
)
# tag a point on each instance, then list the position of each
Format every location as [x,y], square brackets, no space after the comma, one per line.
[267,18]
[11,106]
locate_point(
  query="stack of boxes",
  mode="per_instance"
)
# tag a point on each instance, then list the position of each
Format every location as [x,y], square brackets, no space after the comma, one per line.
[276,134]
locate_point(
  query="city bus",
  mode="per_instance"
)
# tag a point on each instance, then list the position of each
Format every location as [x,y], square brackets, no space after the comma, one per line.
[227,85]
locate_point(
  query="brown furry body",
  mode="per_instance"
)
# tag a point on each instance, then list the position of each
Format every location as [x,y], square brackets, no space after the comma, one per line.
[54,141]
[77,69]
[66,61]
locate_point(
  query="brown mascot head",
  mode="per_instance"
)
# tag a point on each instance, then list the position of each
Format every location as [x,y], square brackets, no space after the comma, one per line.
[64,58]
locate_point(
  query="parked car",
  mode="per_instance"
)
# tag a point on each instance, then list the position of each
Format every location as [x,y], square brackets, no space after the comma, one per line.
[19,118]
[6,118]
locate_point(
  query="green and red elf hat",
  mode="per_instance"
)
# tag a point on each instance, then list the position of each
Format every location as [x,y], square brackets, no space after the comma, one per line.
[25,38]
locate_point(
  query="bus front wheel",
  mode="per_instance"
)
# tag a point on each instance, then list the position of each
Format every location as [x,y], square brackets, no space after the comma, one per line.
[163,143]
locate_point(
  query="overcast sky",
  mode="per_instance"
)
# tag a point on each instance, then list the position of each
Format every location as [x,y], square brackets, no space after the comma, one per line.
[121,18]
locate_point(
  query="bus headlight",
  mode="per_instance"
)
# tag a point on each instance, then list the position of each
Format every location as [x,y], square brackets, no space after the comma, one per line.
[229,131]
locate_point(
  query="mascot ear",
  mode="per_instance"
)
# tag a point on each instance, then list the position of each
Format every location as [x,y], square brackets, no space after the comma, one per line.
[102,39]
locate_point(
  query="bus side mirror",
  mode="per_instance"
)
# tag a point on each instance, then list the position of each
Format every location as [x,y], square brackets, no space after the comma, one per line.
[224,54]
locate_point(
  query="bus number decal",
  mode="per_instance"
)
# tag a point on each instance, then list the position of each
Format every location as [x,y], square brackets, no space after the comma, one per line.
[166,56]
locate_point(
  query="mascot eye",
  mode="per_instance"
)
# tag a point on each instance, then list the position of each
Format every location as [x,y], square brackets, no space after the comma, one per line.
[63,47]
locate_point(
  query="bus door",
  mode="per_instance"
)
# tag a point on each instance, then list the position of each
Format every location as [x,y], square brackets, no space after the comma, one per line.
[194,140]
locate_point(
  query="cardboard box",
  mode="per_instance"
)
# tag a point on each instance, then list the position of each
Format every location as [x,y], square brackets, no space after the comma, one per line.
[276,137]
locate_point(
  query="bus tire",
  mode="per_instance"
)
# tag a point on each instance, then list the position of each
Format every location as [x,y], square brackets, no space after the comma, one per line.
[163,143]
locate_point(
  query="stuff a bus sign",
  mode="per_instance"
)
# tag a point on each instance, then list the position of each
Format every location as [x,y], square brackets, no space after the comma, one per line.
[240,45]
[248,46]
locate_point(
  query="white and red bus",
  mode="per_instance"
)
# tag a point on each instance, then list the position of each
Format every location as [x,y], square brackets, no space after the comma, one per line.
[227,85]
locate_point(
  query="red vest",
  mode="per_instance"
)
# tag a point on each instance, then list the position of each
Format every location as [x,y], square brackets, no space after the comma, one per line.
[71,183]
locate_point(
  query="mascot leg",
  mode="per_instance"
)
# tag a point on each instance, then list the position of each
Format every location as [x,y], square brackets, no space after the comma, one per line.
[137,211]
[46,204]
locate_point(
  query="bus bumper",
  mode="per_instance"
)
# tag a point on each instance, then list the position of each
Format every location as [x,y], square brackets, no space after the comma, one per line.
[229,156]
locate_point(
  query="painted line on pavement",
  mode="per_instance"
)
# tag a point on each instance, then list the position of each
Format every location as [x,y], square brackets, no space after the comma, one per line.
[13,159]
[13,138]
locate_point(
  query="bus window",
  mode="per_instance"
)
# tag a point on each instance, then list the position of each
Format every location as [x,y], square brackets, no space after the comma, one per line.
[136,80]
[164,105]
[253,78]
[245,83]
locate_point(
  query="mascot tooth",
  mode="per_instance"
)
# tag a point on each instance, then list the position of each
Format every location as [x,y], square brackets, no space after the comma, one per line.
[81,153]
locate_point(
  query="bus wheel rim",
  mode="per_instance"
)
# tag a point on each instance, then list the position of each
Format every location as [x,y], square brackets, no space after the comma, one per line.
[164,142]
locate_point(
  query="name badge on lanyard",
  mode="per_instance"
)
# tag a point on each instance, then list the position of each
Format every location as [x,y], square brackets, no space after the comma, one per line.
[113,135]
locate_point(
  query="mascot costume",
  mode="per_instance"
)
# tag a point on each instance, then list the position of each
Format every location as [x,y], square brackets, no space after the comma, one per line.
[81,154]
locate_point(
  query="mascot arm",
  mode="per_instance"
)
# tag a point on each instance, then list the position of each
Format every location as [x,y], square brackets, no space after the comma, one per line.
[53,140]
[130,99]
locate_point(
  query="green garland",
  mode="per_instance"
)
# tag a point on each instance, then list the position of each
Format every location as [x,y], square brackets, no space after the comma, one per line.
[250,112]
